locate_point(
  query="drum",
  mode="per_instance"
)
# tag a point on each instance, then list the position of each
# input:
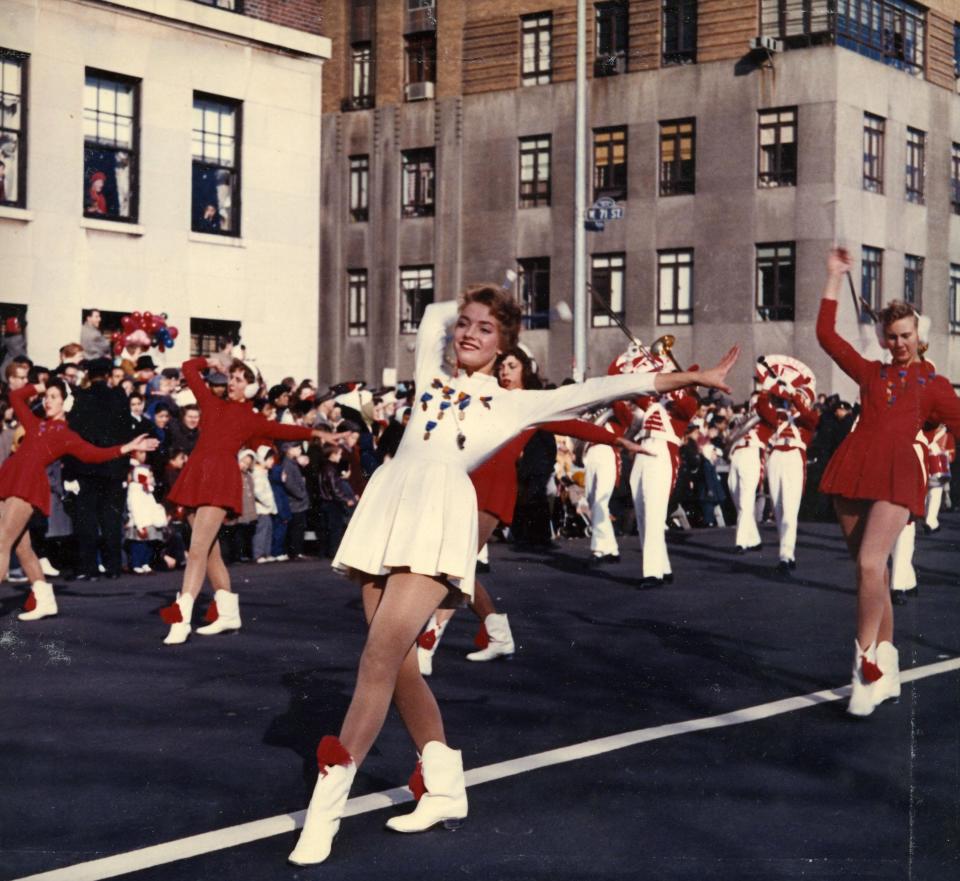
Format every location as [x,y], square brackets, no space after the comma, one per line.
[938,469]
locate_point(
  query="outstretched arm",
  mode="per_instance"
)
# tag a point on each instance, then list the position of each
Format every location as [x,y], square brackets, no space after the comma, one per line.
[715,377]
[850,361]
[18,400]
[191,373]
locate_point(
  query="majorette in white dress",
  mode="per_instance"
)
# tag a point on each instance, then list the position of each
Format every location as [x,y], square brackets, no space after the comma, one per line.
[419,510]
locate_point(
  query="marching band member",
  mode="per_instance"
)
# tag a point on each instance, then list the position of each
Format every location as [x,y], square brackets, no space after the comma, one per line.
[747,450]
[940,453]
[875,476]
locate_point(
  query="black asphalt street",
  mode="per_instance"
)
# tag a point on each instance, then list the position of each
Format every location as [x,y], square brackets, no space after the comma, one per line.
[112,742]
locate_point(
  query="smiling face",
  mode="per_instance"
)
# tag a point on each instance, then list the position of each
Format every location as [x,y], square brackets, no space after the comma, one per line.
[511,373]
[476,338]
[902,340]
[237,386]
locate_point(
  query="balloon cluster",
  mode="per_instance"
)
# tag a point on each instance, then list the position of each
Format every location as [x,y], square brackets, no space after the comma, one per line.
[144,329]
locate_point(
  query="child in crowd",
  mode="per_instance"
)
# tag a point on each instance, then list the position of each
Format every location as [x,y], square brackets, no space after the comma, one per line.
[146,517]
[265,504]
[335,503]
[295,487]
[281,520]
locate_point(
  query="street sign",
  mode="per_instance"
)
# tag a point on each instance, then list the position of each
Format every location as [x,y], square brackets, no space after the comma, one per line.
[602,210]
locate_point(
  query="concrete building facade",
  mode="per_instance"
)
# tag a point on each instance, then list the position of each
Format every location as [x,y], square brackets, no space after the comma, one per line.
[164,155]
[737,168]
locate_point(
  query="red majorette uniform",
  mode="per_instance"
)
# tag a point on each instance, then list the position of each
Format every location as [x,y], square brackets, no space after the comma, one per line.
[654,473]
[211,476]
[791,432]
[601,464]
[878,460]
[940,453]
[745,478]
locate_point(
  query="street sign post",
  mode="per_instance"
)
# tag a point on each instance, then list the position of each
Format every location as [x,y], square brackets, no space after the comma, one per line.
[603,210]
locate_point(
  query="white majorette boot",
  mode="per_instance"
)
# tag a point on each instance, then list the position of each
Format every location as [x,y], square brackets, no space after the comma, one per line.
[500,639]
[427,644]
[40,603]
[178,615]
[337,770]
[887,686]
[444,798]
[865,674]
[223,614]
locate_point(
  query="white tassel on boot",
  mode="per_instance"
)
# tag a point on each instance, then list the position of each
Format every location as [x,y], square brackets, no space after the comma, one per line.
[445,797]
[40,603]
[427,644]
[180,630]
[501,639]
[227,614]
[865,675]
[887,687]
[326,806]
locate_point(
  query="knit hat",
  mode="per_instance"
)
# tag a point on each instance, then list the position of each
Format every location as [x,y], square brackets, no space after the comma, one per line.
[262,453]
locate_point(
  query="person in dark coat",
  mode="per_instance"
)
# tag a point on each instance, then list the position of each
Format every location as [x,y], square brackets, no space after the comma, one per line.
[101,416]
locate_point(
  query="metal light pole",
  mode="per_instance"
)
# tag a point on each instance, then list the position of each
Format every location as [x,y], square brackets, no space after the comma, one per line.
[580,188]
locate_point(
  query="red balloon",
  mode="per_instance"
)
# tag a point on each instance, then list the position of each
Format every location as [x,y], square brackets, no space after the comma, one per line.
[173,332]
[161,347]
[147,316]
[127,323]
[117,348]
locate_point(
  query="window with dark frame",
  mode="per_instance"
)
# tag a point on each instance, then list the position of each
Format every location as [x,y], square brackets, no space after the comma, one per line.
[533,292]
[913,280]
[677,157]
[679,29]
[421,57]
[536,57]
[610,163]
[612,34]
[418,182]
[416,293]
[776,281]
[890,31]
[14,310]
[356,302]
[874,128]
[208,336]
[535,171]
[216,165]
[111,322]
[229,5]
[606,279]
[871,281]
[777,147]
[13,128]
[955,177]
[360,188]
[361,76]
[915,171]
[675,286]
[954,298]
[110,135]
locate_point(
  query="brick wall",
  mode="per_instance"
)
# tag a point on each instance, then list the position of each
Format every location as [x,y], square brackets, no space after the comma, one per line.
[724,29]
[940,50]
[304,15]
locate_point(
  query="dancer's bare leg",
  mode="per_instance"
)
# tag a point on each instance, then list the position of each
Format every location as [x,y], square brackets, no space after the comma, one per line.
[482,603]
[28,558]
[407,601]
[205,523]
[15,514]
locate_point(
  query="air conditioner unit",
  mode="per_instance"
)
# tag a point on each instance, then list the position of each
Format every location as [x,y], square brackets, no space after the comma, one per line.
[766,44]
[418,91]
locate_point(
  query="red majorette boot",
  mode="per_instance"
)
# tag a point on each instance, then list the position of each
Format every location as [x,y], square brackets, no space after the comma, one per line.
[444,798]
[865,674]
[40,604]
[887,687]
[178,615]
[223,614]
[427,644]
[337,770]
[500,638]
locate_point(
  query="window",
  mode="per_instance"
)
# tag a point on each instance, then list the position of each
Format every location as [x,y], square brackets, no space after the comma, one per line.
[536,58]
[111,322]
[916,161]
[611,31]
[675,287]
[777,143]
[357,302]
[533,292]
[913,280]
[417,195]
[359,187]
[361,76]
[109,147]
[776,269]
[798,23]
[954,298]
[679,31]
[421,52]
[232,5]
[871,280]
[10,311]
[534,171]
[13,128]
[873,131]
[677,157]
[610,163]
[890,31]
[416,293]
[209,336]
[606,279]
[955,178]
[216,165]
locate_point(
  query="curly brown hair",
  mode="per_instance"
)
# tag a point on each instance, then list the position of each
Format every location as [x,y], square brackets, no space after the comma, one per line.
[894,311]
[237,365]
[503,307]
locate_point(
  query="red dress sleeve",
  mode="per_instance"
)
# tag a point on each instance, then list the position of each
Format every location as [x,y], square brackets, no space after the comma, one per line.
[278,431]
[581,430]
[850,360]
[77,447]
[194,377]
[25,416]
[946,405]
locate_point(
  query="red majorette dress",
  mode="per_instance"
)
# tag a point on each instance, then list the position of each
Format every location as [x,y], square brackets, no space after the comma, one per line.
[878,459]
[24,474]
[211,476]
[496,479]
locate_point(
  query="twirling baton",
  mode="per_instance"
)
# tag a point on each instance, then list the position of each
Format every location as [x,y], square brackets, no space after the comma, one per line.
[616,320]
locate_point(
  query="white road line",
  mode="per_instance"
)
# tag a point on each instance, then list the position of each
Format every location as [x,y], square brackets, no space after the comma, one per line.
[245,833]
